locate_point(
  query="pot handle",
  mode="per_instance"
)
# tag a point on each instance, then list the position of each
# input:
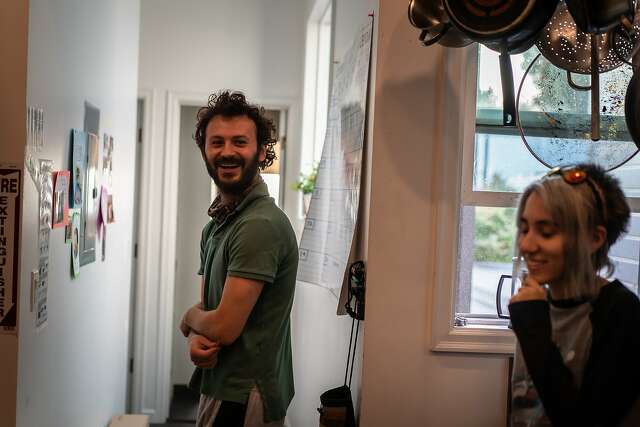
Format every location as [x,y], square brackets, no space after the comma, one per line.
[434,39]
[574,85]
[595,89]
[501,314]
[508,96]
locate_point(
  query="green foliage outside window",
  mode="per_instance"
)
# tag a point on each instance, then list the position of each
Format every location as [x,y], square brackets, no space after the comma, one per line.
[495,228]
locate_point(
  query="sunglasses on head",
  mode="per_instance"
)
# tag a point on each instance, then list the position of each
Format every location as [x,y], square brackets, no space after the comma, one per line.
[573,175]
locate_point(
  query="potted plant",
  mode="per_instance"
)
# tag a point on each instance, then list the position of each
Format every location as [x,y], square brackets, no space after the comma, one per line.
[306,183]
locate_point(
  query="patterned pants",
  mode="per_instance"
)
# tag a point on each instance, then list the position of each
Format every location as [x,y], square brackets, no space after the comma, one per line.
[209,409]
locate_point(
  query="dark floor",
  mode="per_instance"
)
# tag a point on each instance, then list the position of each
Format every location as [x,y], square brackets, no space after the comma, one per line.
[184,407]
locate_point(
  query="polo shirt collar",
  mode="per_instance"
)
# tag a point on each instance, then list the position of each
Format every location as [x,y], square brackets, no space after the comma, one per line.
[219,212]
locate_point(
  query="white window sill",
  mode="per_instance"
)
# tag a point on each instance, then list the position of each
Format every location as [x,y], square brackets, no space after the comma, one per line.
[488,339]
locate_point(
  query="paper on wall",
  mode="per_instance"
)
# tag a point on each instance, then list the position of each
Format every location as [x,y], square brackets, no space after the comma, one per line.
[44,232]
[330,223]
[35,141]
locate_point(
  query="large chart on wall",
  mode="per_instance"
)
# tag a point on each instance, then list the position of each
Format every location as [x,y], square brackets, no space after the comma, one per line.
[331,218]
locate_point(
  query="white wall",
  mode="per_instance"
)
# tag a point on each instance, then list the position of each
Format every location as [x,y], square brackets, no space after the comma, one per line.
[256,46]
[73,372]
[13,86]
[193,201]
[404,383]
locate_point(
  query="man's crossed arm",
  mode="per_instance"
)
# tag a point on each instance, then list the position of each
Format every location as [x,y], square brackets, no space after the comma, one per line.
[224,324]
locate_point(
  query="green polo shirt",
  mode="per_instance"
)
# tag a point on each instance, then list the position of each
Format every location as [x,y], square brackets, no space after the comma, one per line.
[257,242]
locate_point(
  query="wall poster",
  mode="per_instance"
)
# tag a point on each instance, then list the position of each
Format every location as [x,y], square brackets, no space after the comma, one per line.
[331,220]
[10,181]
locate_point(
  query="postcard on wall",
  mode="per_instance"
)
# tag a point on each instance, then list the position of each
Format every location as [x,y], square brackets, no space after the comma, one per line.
[68,227]
[42,286]
[75,244]
[110,216]
[89,218]
[46,193]
[61,199]
[107,159]
[9,248]
[78,166]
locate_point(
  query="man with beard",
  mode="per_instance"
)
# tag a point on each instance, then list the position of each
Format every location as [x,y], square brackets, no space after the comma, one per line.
[239,334]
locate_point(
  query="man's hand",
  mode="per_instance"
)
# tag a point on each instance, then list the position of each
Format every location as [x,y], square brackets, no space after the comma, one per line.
[203,352]
[530,291]
[184,326]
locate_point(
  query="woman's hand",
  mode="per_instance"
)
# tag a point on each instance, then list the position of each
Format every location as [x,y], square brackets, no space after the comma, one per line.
[530,291]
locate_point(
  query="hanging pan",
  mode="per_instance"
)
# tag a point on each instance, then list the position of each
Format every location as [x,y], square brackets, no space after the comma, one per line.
[506,26]
[600,16]
[556,127]
[632,105]
[563,43]
[430,17]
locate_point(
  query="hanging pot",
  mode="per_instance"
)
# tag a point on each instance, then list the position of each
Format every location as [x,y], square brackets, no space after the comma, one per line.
[600,16]
[556,127]
[566,46]
[430,17]
[632,105]
[506,26]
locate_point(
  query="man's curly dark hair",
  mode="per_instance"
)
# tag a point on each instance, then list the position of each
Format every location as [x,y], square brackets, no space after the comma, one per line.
[232,104]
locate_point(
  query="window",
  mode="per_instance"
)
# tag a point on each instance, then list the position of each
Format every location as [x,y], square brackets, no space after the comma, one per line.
[497,165]
[316,83]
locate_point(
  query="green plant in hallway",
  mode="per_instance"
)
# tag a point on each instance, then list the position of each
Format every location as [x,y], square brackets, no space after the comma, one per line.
[307,182]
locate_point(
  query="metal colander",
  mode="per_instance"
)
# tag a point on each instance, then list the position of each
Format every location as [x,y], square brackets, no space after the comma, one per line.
[569,48]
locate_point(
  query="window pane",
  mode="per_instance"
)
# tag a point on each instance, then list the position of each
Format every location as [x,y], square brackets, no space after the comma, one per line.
[486,249]
[503,163]
[556,121]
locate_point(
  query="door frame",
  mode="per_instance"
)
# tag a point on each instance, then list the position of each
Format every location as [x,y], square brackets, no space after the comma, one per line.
[156,262]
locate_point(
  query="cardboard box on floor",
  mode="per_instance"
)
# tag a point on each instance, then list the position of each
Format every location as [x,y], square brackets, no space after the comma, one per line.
[130,420]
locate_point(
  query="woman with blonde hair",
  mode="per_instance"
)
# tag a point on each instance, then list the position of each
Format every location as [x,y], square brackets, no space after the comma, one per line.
[577,361]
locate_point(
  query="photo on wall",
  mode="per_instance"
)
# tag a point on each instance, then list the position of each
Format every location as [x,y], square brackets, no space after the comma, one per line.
[89,217]
[110,216]
[107,159]
[75,244]
[61,199]
[78,166]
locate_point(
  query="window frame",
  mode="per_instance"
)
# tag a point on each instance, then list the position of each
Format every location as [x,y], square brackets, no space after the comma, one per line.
[317,77]
[454,187]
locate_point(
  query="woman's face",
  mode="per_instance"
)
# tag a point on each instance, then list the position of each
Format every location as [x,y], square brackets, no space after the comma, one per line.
[541,242]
